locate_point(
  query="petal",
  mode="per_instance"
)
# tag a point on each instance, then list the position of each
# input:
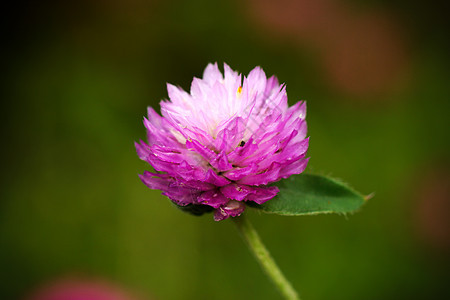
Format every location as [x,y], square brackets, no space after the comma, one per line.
[256,80]
[142,149]
[241,192]
[238,173]
[231,209]
[241,153]
[213,178]
[199,89]
[262,194]
[212,74]
[168,154]
[186,171]
[180,195]
[236,191]
[230,135]
[294,150]
[193,184]
[156,181]
[195,146]
[268,176]
[296,167]
[221,163]
[271,85]
[179,97]
[160,165]
[212,198]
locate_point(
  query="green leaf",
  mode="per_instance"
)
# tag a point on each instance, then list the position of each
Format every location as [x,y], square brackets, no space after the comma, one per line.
[308,194]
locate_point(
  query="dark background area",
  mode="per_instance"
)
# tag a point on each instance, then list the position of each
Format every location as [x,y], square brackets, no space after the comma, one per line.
[78,76]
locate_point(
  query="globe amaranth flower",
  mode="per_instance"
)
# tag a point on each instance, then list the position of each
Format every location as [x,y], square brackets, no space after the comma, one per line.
[225,142]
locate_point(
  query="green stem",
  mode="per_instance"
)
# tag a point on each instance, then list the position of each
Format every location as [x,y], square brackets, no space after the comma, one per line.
[263,257]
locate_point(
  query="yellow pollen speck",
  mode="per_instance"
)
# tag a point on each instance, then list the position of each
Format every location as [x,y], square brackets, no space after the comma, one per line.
[239,92]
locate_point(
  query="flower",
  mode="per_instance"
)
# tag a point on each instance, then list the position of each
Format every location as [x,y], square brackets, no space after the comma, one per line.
[76,288]
[225,142]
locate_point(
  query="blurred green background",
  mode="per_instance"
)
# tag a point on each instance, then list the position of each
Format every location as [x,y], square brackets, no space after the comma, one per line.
[78,76]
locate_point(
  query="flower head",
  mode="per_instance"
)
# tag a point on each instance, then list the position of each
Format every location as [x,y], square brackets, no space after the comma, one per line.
[225,142]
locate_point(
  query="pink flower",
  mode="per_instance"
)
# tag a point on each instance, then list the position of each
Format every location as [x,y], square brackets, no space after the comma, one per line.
[225,142]
[80,289]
